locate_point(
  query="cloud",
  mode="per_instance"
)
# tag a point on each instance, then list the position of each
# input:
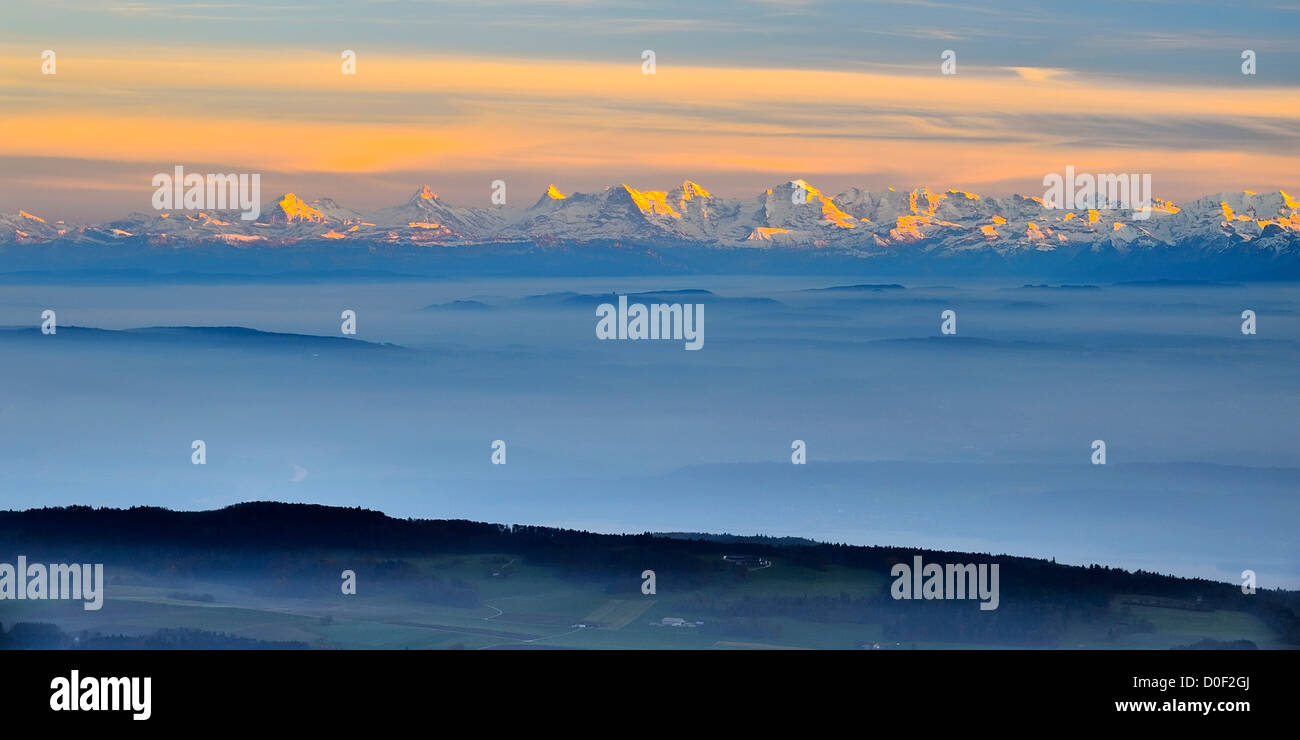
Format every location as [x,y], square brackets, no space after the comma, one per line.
[603,121]
[1039,74]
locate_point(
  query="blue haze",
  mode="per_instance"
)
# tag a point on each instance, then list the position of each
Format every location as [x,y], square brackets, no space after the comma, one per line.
[976,442]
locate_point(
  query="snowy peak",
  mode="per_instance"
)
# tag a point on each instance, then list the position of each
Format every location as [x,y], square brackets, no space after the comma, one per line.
[693,189]
[24,227]
[687,192]
[1247,214]
[551,199]
[794,214]
[292,209]
[421,210]
[426,218]
[796,204]
[648,202]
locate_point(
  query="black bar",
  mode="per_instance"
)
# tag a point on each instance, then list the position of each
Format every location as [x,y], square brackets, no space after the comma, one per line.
[659,689]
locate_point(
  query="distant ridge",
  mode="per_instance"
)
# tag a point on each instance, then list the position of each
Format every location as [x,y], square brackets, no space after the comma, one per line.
[861,288]
[1256,235]
[208,334]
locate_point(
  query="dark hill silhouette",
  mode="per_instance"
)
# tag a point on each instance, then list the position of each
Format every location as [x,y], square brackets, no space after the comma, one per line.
[293,543]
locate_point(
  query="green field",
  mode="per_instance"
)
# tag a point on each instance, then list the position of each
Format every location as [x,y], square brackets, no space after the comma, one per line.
[533,606]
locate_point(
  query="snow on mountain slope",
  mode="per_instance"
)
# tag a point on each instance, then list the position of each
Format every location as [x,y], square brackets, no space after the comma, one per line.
[620,212]
[289,209]
[27,228]
[429,213]
[791,215]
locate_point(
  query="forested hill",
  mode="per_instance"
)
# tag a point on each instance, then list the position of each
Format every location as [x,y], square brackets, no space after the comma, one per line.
[253,539]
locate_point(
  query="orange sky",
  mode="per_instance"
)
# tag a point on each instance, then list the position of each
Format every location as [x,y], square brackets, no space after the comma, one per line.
[459,122]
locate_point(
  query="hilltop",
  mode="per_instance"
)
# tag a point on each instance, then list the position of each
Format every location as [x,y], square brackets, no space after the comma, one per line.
[271,571]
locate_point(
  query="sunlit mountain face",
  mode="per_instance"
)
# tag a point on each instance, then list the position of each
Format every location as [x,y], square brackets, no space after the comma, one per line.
[794,214]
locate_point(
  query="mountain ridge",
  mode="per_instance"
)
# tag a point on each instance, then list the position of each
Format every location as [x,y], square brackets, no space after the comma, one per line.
[1260,230]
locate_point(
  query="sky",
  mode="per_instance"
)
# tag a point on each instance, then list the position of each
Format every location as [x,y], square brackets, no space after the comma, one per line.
[744,95]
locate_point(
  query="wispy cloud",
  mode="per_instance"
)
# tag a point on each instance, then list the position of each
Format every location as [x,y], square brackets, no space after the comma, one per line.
[750,88]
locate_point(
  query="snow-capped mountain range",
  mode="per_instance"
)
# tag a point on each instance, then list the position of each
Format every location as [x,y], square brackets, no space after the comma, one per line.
[791,216]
